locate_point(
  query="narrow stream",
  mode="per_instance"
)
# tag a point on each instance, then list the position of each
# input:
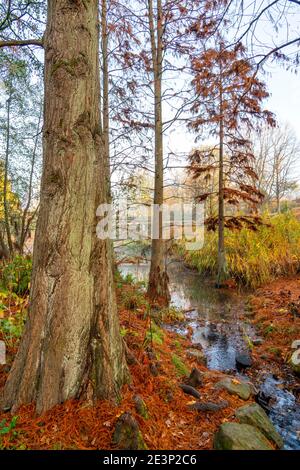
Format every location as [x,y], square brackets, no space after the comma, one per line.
[220,326]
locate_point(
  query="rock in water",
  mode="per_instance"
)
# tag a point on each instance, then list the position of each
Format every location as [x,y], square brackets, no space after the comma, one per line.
[243,361]
[234,387]
[141,406]
[127,435]
[195,378]
[234,436]
[190,390]
[255,416]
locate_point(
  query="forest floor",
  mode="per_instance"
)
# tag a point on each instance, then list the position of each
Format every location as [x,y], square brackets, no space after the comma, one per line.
[276,316]
[158,363]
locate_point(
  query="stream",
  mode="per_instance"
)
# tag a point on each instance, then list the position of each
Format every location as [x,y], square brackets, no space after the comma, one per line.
[219,324]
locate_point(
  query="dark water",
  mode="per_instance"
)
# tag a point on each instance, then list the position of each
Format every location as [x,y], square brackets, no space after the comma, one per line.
[219,324]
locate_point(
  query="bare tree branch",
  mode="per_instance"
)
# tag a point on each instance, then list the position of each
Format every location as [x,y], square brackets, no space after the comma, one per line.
[22,42]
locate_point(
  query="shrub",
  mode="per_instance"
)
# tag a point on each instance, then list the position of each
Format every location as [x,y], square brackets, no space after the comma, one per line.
[253,258]
[133,299]
[154,335]
[8,428]
[15,276]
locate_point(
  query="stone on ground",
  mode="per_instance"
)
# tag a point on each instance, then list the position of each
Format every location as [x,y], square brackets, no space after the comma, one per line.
[190,390]
[197,355]
[127,435]
[140,406]
[295,362]
[234,387]
[243,360]
[209,406]
[235,436]
[195,378]
[255,416]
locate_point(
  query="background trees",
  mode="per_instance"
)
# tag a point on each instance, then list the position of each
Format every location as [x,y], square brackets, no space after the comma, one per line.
[276,154]
[20,136]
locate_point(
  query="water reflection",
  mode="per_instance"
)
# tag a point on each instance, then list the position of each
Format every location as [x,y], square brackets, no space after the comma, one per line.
[213,314]
[216,318]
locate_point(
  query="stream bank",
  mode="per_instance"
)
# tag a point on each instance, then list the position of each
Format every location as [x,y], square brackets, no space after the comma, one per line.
[223,324]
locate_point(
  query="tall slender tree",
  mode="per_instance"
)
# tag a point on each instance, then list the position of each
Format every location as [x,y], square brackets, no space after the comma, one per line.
[228,101]
[158,277]
[169,25]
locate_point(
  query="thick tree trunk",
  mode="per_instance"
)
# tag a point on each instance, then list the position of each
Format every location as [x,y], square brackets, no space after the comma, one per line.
[158,279]
[71,342]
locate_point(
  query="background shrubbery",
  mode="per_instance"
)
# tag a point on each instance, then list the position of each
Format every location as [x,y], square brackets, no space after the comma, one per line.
[15,275]
[253,258]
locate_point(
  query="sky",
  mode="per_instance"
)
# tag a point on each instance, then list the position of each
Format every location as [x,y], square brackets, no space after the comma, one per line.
[284,101]
[283,85]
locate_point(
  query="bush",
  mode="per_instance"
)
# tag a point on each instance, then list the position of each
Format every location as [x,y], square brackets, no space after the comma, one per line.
[253,258]
[15,276]
[13,313]
[154,335]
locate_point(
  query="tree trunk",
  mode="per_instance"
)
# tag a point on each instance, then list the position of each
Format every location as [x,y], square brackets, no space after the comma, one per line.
[158,279]
[71,342]
[4,252]
[25,221]
[221,247]
[278,208]
[105,93]
[5,182]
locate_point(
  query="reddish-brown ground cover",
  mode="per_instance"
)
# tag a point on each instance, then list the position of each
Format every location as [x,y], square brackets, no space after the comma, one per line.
[171,425]
[276,310]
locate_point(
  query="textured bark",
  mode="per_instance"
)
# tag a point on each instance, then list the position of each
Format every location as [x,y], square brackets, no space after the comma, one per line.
[71,344]
[158,278]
